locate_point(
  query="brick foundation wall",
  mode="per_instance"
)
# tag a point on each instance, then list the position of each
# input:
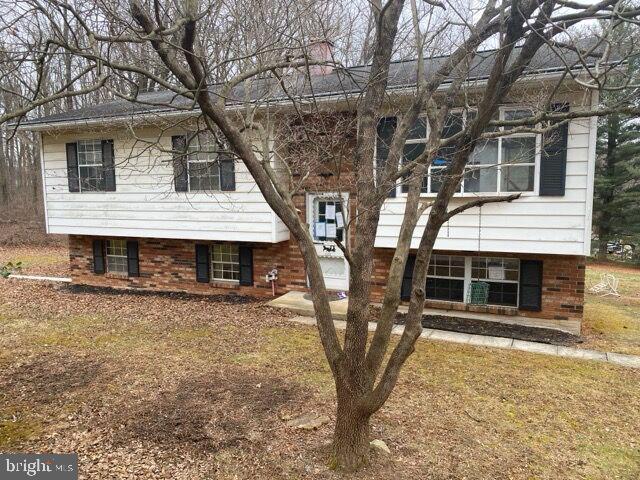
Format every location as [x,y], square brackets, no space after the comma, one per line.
[169,265]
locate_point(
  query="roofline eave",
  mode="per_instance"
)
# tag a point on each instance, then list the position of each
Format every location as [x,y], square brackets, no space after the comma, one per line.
[145,118]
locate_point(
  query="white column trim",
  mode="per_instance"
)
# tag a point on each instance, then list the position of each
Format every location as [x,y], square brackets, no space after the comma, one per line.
[467,278]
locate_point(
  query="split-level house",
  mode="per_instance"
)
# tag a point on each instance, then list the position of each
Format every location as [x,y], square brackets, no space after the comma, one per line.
[138,216]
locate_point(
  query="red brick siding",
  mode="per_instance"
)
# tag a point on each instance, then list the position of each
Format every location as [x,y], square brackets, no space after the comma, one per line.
[170,265]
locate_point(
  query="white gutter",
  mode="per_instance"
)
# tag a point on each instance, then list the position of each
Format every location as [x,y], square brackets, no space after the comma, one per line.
[544,75]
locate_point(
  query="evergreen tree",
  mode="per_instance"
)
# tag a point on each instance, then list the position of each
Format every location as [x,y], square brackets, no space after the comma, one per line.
[617,182]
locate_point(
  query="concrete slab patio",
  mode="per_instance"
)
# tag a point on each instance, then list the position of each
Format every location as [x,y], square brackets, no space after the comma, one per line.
[629,361]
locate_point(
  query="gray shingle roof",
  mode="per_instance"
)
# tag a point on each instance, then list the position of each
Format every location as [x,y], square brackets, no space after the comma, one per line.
[342,82]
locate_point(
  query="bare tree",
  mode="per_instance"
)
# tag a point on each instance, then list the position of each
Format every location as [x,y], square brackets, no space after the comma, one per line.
[233,65]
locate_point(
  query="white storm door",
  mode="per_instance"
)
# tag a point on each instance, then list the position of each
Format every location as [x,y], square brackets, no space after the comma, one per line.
[327,216]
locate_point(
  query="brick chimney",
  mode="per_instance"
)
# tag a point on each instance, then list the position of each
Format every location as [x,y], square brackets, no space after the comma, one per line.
[321,50]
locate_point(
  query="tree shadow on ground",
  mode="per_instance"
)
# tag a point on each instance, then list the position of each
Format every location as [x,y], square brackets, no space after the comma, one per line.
[210,412]
[48,377]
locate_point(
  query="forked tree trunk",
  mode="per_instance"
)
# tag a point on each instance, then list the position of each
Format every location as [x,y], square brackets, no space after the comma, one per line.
[351,434]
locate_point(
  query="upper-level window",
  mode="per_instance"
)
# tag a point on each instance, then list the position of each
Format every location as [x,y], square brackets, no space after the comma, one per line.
[204,167]
[504,164]
[91,166]
[415,145]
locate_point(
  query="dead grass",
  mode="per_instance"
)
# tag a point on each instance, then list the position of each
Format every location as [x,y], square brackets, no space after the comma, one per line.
[157,387]
[613,323]
[38,260]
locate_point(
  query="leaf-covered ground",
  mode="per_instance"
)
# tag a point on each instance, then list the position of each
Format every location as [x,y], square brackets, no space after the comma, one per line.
[156,386]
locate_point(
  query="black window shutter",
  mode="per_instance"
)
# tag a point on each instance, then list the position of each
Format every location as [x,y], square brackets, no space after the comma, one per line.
[180,176]
[108,166]
[386,129]
[227,174]
[553,161]
[407,278]
[72,167]
[246,265]
[203,263]
[531,285]
[98,256]
[133,259]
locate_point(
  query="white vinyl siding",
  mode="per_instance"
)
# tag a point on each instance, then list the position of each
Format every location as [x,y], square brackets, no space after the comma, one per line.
[532,224]
[146,203]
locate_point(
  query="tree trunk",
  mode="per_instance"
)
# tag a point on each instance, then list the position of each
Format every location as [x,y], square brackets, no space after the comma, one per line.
[603,238]
[351,435]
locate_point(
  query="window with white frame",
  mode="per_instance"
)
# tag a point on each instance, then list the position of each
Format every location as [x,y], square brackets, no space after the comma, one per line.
[502,275]
[225,262]
[117,256]
[505,164]
[202,165]
[445,278]
[90,165]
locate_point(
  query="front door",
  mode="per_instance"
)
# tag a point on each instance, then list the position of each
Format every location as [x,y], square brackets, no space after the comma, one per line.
[327,216]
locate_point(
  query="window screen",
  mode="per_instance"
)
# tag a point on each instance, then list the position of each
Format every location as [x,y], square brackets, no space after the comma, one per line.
[117,256]
[225,262]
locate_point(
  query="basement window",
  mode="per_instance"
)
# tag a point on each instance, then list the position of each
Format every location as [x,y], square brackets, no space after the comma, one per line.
[445,278]
[502,275]
[117,256]
[225,262]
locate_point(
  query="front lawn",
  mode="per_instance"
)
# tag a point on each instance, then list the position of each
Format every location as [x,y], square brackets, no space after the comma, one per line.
[148,386]
[613,323]
[37,260]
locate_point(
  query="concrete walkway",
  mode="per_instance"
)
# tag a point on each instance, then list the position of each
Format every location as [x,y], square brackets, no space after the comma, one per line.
[300,303]
[630,361]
